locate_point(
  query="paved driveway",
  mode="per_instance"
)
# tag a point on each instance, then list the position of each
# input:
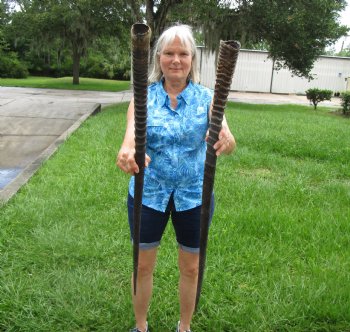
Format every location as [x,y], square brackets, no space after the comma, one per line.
[33,122]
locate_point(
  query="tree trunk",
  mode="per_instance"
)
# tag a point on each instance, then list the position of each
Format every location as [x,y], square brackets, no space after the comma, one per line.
[76,65]
[136,10]
[157,20]
[150,20]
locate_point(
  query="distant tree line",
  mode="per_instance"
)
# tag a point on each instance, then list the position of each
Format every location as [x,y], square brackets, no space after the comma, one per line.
[91,37]
[345,51]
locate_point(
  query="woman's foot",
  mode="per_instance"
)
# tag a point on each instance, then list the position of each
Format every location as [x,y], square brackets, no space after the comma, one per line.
[138,330]
[178,328]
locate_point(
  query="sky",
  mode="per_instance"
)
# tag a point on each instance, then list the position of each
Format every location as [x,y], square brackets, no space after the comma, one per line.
[344,19]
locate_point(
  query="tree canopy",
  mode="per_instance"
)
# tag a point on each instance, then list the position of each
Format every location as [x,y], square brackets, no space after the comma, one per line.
[75,24]
[297,32]
[294,32]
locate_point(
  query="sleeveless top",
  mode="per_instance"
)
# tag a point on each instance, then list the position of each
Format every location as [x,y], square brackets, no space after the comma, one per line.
[176,145]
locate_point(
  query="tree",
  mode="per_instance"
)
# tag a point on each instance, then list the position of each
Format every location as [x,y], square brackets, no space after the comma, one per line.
[10,65]
[345,51]
[76,23]
[317,95]
[156,14]
[295,32]
[4,19]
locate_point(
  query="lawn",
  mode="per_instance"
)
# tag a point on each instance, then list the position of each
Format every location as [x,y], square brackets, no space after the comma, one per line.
[278,251]
[67,83]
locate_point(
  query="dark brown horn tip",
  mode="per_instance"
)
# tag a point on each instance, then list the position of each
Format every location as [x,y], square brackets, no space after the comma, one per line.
[140,29]
[232,43]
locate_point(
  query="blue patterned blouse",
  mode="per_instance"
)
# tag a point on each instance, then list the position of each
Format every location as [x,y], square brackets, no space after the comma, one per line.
[177,147]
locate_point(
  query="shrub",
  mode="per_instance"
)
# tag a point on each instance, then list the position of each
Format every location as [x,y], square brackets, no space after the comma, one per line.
[96,66]
[11,67]
[316,95]
[345,97]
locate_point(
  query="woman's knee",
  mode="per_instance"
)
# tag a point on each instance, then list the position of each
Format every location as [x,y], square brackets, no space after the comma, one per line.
[146,264]
[188,264]
[144,269]
[190,271]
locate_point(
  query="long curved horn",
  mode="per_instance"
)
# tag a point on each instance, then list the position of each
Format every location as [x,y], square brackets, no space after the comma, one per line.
[140,37]
[228,54]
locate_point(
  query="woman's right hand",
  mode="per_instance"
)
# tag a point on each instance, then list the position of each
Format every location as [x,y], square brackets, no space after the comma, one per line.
[126,160]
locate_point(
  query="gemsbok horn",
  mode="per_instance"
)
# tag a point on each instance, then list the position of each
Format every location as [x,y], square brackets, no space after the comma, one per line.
[140,37]
[228,54]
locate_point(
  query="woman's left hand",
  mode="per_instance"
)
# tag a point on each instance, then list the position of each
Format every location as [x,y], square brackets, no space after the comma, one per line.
[226,143]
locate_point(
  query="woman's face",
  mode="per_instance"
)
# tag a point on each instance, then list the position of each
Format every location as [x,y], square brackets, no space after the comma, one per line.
[176,61]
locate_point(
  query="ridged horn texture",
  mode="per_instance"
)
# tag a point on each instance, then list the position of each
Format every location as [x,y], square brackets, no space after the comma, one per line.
[228,54]
[140,37]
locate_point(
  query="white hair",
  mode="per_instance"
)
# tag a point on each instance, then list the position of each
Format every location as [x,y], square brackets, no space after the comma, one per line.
[184,33]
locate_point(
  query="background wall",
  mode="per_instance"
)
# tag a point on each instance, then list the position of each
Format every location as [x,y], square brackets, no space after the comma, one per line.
[255,73]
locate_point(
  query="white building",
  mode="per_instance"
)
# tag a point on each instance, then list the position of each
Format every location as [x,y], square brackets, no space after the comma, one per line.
[255,73]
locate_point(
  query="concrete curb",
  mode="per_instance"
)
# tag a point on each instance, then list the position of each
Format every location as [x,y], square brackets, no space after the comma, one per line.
[23,177]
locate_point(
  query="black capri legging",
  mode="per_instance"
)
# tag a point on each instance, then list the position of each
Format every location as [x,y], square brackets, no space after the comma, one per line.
[186,224]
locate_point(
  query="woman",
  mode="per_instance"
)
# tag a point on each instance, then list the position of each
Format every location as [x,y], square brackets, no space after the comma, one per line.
[177,122]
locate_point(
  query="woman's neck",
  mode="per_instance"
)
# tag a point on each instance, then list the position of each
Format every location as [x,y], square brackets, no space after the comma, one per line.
[174,88]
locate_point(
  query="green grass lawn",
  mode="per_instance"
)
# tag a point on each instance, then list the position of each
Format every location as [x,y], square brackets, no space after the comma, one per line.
[279,245]
[67,83]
